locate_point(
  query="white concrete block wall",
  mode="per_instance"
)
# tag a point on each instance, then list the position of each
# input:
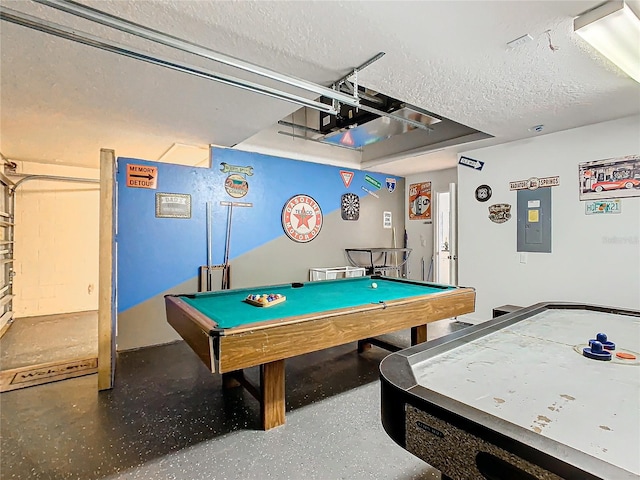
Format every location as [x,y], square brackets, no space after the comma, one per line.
[56,242]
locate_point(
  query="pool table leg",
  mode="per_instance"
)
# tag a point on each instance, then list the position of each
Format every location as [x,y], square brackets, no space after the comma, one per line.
[418,334]
[272,404]
[230,380]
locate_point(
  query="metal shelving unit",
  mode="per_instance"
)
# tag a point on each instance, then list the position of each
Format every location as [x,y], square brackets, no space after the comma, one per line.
[6,252]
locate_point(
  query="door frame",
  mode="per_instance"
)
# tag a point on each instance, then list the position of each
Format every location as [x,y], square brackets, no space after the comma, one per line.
[453,237]
[106,275]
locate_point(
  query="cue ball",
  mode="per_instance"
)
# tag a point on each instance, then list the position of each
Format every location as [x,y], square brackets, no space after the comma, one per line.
[374,285]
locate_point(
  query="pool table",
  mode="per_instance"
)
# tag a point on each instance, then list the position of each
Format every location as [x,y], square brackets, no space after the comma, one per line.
[229,334]
[515,398]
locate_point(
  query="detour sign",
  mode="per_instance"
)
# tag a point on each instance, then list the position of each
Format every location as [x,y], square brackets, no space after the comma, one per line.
[142,176]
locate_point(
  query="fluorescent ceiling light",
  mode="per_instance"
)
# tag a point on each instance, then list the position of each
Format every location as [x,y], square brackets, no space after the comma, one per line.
[614,30]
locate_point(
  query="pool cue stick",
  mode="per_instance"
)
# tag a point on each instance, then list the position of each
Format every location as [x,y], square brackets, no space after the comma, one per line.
[209,248]
[395,253]
[422,263]
[225,271]
[226,278]
[405,266]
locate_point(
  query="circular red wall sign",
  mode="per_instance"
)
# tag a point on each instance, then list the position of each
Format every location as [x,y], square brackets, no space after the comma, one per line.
[301,218]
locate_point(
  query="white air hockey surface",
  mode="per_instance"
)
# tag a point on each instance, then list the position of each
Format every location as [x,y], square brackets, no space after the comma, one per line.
[531,375]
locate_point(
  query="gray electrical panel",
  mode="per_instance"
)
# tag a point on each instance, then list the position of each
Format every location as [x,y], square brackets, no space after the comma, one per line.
[534,220]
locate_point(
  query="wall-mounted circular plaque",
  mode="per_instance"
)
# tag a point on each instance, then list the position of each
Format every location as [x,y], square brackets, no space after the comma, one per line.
[483,193]
[301,218]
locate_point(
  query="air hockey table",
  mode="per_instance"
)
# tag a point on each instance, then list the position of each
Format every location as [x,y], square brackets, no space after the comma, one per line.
[515,397]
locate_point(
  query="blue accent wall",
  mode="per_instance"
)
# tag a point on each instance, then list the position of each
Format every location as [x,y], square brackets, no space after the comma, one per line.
[156,254]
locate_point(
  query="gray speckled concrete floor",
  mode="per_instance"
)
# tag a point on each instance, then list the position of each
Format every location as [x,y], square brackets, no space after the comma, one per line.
[49,338]
[169,418]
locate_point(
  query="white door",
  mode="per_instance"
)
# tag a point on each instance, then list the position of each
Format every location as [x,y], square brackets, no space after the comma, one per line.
[445,252]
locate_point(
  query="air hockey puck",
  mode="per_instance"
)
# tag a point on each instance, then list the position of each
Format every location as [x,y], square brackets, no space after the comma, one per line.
[626,356]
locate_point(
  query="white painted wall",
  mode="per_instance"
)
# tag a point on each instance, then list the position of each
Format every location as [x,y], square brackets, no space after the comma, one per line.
[595,259]
[421,233]
[56,242]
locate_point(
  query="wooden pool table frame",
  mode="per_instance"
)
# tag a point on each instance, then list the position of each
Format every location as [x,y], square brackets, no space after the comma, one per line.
[268,344]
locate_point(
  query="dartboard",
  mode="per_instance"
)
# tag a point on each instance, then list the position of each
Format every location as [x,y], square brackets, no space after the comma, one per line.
[350,206]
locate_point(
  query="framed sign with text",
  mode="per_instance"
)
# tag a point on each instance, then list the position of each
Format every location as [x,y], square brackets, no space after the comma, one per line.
[173,205]
[420,201]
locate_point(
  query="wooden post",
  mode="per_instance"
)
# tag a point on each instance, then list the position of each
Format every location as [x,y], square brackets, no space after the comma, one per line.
[272,404]
[106,306]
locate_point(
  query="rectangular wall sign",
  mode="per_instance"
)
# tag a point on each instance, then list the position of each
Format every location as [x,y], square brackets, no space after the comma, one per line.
[173,205]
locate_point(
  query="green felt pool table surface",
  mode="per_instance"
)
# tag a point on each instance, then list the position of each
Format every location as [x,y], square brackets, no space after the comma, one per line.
[227,309]
[230,335]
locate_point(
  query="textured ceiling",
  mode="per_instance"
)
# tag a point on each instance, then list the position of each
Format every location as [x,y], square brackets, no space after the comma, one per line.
[61,101]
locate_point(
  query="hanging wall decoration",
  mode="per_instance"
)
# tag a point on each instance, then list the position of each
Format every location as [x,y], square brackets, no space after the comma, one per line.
[483,193]
[391,184]
[499,212]
[226,168]
[236,185]
[301,218]
[470,162]
[350,206]
[420,201]
[375,183]
[372,183]
[346,177]
[142,176]
[610,178]
[387,220]
[173,205]
[534,183]
[603,207]
[370,192]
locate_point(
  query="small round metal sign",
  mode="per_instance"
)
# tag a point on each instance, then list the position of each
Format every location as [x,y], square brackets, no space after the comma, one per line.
[483,193]
[236,185]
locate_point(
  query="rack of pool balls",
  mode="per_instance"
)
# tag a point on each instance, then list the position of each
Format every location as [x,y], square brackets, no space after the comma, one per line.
[265,300]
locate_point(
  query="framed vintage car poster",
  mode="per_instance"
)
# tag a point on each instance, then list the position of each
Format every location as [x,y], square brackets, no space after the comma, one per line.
[610,178]
[420,201]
